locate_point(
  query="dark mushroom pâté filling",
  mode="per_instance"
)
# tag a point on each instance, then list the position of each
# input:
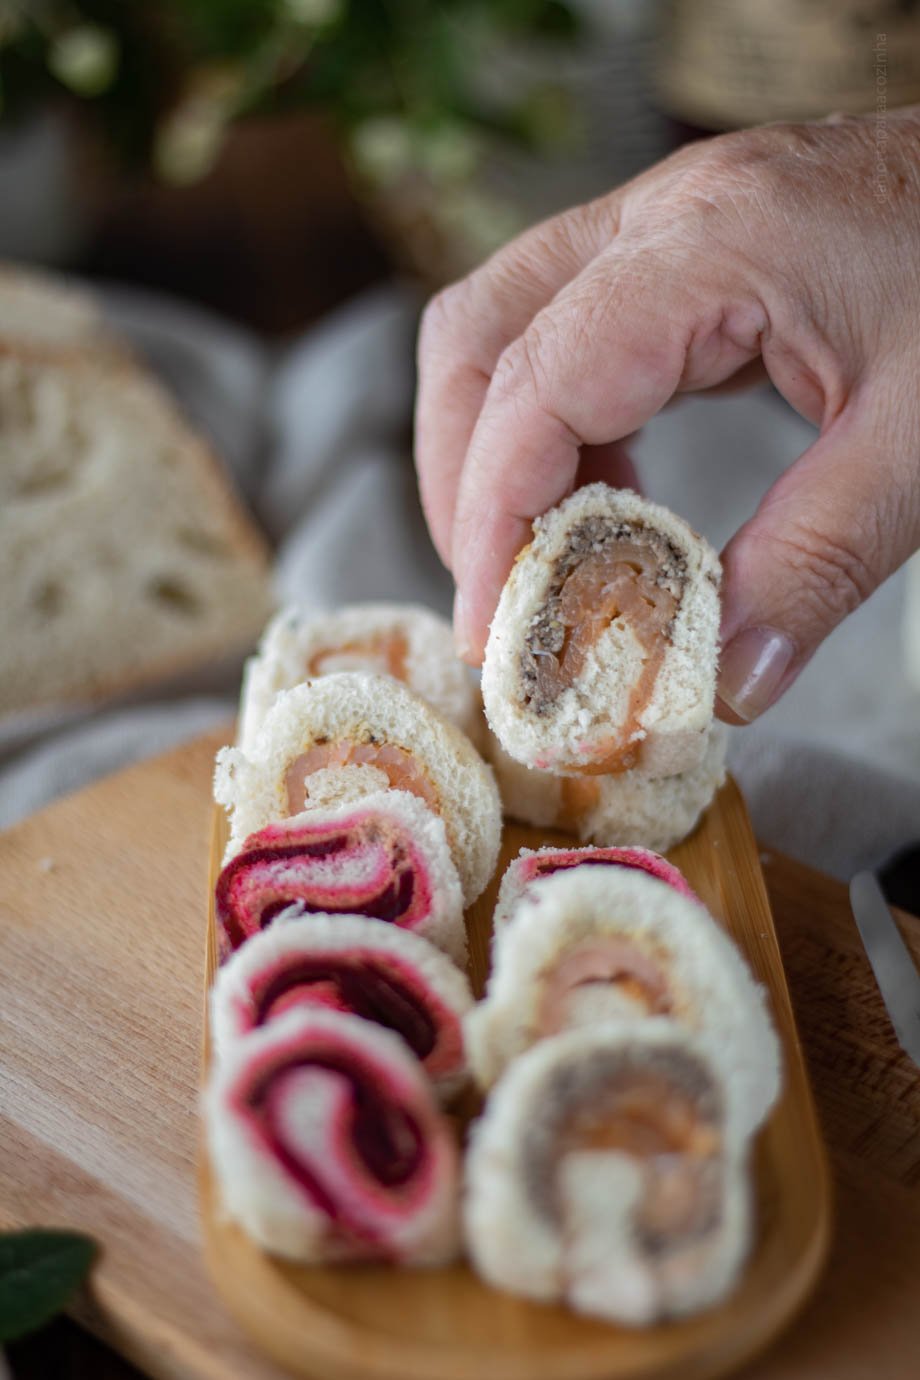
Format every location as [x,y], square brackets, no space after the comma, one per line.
[661,1108]
[607,570]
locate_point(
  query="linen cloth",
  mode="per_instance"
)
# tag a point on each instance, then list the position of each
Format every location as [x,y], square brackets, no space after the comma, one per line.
[317,436]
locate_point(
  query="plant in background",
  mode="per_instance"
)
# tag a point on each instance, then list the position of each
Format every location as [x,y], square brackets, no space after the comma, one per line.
[401,80]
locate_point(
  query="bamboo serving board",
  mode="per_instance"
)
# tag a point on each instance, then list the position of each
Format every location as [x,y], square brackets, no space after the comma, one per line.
[378,1323]
[101,975]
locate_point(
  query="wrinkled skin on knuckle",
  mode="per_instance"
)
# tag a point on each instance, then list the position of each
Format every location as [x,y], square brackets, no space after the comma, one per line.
[769,193]
[894,399]
[673,311]
[443,319]
[527,369]
[547,253]
[722,171]
[787,209]
[589,311]
[595,222]
[833,575]
[702,221]
[568,239]
[511,277]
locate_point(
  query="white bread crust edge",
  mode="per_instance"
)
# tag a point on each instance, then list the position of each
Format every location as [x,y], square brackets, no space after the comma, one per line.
[631,808]
[296,634]
[512,886]
[716,997]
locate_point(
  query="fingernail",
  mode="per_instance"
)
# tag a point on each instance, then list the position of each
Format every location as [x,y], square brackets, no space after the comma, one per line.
[461,640]
[753,667]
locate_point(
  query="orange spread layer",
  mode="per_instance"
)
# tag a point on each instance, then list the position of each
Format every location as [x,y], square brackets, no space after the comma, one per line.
[402,770]
[658,1123]
[613,962]
[385,652]
[578,796]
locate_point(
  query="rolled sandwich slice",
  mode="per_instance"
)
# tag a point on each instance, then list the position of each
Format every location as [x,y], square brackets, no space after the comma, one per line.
[349,735]
[530,866]
[632,807]
[606,1173]
[327,1143]
[385,856]
[348,963]
[602,654]
[592,944]
[405,641]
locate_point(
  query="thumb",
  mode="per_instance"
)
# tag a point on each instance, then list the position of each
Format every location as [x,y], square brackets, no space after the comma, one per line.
[837,524]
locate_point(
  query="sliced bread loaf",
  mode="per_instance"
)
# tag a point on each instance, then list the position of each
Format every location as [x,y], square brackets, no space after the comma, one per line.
[39,312]
[124,554]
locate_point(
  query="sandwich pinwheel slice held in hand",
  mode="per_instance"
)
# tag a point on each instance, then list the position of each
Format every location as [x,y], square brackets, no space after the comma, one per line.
[328,1145]
[531,866]
[385,856]
[606,1172]
[626,808]
[351,734]
[405,641]
[602,654]
[592,944]
[348,963]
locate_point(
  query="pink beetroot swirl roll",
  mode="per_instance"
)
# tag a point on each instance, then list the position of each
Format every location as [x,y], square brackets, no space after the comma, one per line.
[530,866]
[348,963]
[328,1145]
[385,857]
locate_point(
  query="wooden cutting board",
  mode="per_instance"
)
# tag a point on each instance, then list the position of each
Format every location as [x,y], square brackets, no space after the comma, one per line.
[101,971]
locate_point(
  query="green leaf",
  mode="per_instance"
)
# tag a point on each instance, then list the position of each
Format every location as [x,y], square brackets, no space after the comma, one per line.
[39,1270]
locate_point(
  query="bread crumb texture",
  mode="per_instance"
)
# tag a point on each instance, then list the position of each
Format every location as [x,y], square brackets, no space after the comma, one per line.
[124,554]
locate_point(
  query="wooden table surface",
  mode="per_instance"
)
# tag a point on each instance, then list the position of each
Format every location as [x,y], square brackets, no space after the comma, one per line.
[102,921]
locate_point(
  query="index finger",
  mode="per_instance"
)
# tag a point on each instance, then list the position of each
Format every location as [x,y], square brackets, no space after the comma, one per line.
[464,331]
[592,367]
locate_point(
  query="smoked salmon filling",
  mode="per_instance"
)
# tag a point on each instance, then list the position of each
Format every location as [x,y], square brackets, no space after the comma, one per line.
[400,767]
[354,965]
[604,1172]
[360,861]
[627,977]
[329,1146]
[607,571]
[601,656]
[385,652]
[663,1110]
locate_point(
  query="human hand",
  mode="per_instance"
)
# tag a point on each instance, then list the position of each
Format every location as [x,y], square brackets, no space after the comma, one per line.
[791,249]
